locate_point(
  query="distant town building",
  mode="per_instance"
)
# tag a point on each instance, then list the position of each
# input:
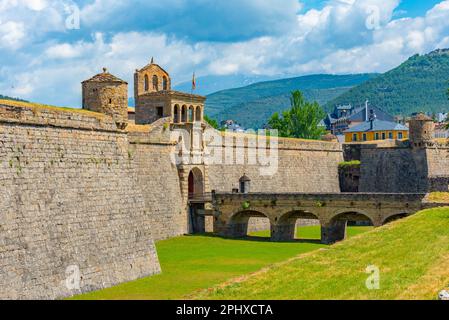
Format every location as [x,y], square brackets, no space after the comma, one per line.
[375,129]
[346,117]
[441,131]
[231,125]
[441,117]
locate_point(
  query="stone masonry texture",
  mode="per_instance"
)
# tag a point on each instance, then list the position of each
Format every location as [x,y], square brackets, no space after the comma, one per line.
[403,168]
[69,199]
[304,166]
[80,191]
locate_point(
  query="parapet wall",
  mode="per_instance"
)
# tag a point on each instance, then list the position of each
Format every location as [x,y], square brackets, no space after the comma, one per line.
[159,181]
[70,205]
[438,167]
[398,167]
[302,166]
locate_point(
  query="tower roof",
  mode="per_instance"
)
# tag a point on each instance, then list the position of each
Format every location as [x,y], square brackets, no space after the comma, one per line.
[329,137]
[245,178]
[105,76]
[422,117]
[153,65]
[377,125]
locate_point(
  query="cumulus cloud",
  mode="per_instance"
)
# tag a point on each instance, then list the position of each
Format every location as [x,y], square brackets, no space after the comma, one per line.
[11,35]
[195,20]
[27,20]
[264,38]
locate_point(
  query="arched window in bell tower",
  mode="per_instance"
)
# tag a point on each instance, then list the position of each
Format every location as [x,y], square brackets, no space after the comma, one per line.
[198,116]
[164,83]
[155,83]
[146,83]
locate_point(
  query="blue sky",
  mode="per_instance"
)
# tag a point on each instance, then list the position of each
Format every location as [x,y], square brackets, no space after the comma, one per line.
[45,54]
[408,8]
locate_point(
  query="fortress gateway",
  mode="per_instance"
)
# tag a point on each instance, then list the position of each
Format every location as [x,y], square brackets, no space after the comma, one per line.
[85,193]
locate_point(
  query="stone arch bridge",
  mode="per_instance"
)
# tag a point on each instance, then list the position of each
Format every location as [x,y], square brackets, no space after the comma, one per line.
[232,211]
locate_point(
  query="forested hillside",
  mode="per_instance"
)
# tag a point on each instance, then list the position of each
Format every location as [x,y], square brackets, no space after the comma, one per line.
[419,84]
[253,105]
[2,97]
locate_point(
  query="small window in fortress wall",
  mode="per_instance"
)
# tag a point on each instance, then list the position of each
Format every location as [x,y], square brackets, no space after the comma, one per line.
[160,112]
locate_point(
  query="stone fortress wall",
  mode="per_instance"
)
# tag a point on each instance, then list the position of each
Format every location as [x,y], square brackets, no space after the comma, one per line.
[302,166]
[418,165]
[159,181]
[89,190]
[69,202]
[80,192]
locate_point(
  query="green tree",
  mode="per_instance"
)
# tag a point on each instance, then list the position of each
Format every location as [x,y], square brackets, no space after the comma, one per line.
[212,122]
[301,121]
[447,119]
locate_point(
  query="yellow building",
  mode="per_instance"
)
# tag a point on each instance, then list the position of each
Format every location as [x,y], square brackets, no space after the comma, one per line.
[376,130]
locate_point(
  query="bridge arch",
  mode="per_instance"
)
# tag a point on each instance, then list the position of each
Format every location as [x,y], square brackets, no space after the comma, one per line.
[285,227]
[237,226]
[395,217]
[352,215]
[335,229]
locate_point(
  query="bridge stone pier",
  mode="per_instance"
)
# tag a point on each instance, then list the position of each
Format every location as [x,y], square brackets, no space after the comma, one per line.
[232,211]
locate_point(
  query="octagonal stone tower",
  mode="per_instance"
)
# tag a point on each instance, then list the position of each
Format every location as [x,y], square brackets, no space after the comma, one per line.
[422,129]
[107,94]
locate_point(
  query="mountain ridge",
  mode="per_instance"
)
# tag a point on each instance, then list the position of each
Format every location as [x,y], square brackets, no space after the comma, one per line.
[252,105]
[419,84]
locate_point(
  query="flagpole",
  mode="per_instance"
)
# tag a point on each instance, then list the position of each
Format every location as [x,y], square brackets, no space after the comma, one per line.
[193,88]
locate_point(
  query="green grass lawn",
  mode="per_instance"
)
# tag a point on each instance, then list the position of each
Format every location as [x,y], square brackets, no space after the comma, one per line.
[192,263]
[411,254]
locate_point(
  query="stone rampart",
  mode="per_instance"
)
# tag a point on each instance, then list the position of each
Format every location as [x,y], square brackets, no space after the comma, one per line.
[70,212]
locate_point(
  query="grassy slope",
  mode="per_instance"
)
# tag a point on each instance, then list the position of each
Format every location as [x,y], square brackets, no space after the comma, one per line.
[412,254]
[198,262]
[38,106]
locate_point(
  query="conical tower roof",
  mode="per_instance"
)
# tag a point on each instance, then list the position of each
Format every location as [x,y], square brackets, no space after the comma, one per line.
[105,76]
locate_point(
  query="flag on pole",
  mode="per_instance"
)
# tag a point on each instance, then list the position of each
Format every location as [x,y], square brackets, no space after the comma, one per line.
[193,82]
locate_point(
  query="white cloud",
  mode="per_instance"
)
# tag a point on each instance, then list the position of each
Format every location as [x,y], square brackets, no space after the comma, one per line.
[195,20]
[11,35]
[36,5]
[334,39]
[29,19]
